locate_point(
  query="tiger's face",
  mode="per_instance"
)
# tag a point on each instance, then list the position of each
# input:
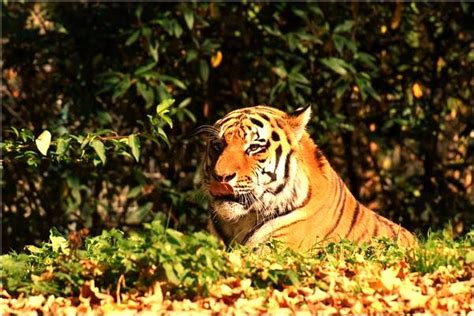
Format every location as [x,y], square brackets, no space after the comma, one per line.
[248,160]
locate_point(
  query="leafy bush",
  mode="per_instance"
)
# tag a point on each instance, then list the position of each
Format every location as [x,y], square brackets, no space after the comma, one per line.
[389,85]
[192,265]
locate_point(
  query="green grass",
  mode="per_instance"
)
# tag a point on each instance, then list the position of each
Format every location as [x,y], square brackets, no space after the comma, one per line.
[188,265]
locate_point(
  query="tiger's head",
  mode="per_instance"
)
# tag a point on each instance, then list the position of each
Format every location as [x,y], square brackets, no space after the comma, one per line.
[251,162]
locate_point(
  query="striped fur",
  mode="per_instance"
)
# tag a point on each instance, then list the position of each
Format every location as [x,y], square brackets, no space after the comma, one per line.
[282,185]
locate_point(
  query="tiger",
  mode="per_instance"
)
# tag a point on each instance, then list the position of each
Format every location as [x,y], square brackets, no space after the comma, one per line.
[267,179]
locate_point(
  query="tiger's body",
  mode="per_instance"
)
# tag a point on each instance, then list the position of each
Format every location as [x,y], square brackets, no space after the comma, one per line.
[268,179]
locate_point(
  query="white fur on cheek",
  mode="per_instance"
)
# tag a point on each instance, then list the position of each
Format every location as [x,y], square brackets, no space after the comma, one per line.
[228,210]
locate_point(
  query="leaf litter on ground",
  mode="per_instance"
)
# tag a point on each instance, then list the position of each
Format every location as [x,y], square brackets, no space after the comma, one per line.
[160,269]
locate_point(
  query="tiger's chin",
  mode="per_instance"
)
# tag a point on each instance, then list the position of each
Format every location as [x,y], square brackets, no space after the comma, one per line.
[229,210]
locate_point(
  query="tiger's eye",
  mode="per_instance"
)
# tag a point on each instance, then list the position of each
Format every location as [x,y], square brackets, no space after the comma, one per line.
[217,146]
[254,147]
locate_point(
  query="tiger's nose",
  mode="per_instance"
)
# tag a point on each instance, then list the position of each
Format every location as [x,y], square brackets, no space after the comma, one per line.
[225,177]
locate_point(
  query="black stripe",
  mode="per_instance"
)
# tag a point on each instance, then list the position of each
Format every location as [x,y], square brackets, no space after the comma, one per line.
[256,122]
[376,229]
[305,201]
[252,231]
[278,152]
[390,225]
[217,225]
[394,233]
[275,136]
[272,175]
[227,119]
[319,154]
[287,225]
[287,165]
[354,218]
[279,125]
[264,116]
[286,176]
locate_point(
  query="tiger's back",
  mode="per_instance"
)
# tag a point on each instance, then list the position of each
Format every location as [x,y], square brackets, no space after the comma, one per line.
[267,179]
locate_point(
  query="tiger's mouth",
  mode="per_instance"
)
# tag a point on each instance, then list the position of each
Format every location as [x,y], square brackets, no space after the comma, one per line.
[228,198]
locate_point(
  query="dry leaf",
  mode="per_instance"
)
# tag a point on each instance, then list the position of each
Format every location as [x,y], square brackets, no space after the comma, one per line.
[216,59]
[417,91]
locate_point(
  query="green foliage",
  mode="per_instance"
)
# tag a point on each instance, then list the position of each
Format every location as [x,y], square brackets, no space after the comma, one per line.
[439,249]
[92,147]
[390,93]
[191,265]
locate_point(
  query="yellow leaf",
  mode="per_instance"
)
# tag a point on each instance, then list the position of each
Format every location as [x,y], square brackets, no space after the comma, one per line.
[43,141]
[383,29]
[235,259]
[460,288]
[225,290]
[36,301]
[417,91]
[245,284]
[396,17]
[389,278]
[276,266]
[216,59]
[440,64]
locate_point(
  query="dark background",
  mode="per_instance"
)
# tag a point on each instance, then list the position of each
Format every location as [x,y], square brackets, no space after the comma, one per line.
[390,87]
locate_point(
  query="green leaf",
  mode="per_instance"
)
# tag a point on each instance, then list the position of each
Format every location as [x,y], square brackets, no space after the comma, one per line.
[134,143]
[204,70]
[132,38]
[173,80]
[280,72]
[191,55]
[122,87]
[170,274]
[146,31]
[167,119]
[134,192]
[17,134]
[153,50]
[26,135]
[145,68]
[99,149]
[175,236]
[344,27]
[164,106]
[365,86]
[163,136]
[177,29]
[43,141]
[189,18]
[185,103]
[341,88]
[62,146]
[366,59]
[147,93]
[58,242]
[336,64]
[138,12]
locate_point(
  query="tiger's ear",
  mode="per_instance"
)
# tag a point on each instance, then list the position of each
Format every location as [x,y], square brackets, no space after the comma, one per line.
[299,120]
